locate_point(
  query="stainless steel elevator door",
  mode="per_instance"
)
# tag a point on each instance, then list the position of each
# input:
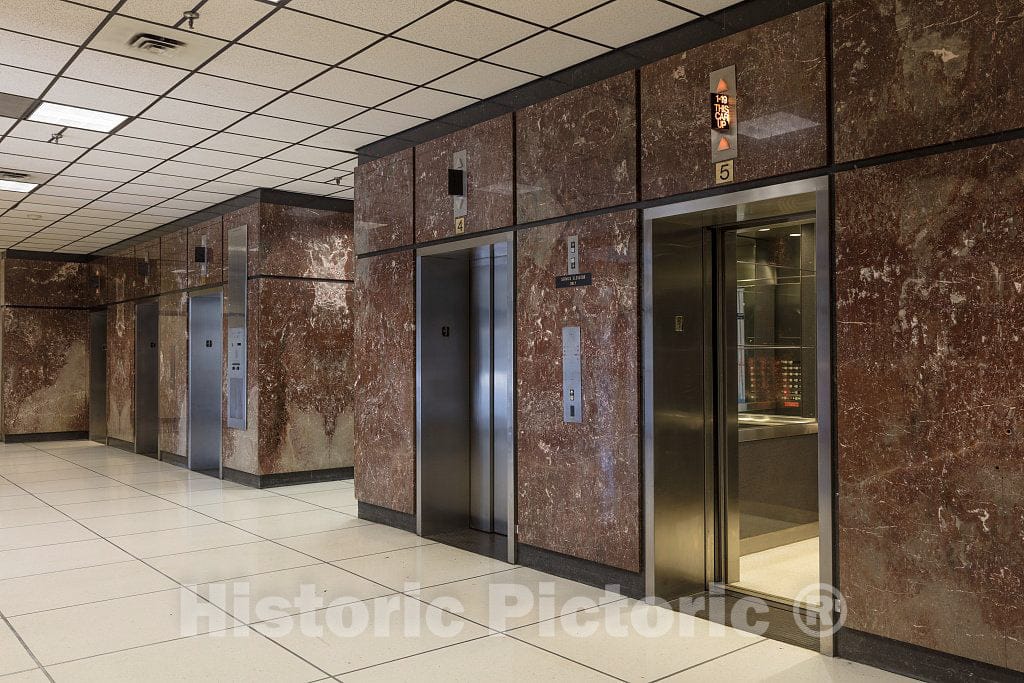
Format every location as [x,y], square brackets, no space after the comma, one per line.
[502,325]
[98,375]
[147,378]
[205,369]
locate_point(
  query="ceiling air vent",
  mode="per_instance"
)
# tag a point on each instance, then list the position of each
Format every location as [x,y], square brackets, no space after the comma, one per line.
[13,175]
[154,44]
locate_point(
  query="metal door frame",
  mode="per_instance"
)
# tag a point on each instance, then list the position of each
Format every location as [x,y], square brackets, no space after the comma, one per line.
[211,292]
[438,250]
[155,303]
[821,187]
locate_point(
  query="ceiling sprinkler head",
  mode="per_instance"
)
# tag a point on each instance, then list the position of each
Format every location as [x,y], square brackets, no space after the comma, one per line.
[191,16]
[336,181]
[56,137]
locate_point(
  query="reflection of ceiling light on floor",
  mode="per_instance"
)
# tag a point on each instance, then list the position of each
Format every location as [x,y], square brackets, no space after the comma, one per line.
[763,229]
[76,117]
[777,123]
[15,186]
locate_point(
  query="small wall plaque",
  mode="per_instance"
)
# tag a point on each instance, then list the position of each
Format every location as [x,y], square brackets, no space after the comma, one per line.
[577,280]
[725,172]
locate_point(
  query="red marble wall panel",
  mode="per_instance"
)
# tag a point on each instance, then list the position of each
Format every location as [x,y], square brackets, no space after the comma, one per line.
[207,234]
[930,308]
[305,375]
[121,372]
[579,484]
[385,384]
[781,81]
[174,261]
[145,269]
[46,370]
[301,242]
[577,151]
[488,148]
[29,282]
[117,280]
[915,73]
[174,373]
[384,203]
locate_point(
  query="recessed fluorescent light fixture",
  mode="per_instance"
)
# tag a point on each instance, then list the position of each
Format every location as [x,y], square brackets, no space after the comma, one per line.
[794,234]
[76,117]
[15,186]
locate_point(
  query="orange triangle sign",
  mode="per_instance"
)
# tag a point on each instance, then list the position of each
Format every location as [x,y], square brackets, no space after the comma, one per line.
[722,85]
[723,145]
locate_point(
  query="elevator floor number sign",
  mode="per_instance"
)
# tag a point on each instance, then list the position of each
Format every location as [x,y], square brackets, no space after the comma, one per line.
[725,172]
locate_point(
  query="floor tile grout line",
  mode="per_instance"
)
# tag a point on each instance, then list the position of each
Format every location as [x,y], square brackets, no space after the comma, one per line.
[27,649]
[713,659]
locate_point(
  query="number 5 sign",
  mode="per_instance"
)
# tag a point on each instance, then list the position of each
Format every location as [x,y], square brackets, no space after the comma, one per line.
[725,172]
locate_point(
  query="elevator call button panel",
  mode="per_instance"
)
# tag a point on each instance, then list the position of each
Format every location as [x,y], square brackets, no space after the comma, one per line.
[572,375]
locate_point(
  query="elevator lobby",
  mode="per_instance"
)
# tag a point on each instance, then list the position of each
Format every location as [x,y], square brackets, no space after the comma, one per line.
[462,340]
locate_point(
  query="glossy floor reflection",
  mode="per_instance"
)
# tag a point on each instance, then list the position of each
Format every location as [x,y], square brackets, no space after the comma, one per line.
[116,567]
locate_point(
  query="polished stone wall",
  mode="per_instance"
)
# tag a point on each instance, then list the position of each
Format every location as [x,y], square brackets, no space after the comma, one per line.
[210,235]
[385,381]
[579,484]
[173,347]
[929,312]
[384,219]
[121,372]
[303,242]
[55,284]
[781,71]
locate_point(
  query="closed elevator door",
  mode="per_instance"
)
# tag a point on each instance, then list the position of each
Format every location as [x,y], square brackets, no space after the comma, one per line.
[147,378]
[98,375]
[464,398]
[205,336]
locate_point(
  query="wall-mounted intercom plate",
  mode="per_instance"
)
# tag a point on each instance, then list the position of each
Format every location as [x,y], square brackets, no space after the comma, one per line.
[572,375]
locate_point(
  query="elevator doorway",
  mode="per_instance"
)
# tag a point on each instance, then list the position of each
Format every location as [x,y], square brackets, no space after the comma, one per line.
[737,384]
[464,396]
[205,384]
[147,378]
[98,376]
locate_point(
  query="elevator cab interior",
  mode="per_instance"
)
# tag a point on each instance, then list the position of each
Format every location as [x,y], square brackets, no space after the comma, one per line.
[147,378]
[465,495]
[738,398]
[205,386]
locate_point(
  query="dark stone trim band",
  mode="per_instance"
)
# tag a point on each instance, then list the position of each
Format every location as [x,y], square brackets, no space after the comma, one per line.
[119,443]
[47,256]
[45,436]
[267,481]
[915,661]
[174,459]
[582,571]
[393,518]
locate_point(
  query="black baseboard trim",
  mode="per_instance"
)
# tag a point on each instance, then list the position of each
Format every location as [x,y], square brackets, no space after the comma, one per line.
[380,515]
[583,571]
[269,481]
[121,444]
[174,459]
[916,661]
[46,436]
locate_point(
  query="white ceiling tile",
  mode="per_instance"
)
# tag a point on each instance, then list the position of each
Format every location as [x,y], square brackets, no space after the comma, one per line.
[329,176]
[98,97]
[546,12]
[11,221]
[120,198]
[101,4]
[146,148]
[15,196]
[164,132]
[274,129]
[6,124]
[220,18]
[53,19]
[193,114]
[89,212]
[74,182]
[34,53]
[208,197]
[705,6]
[336,138]
[167,212]
[188,170]
[309,188]
[207,89]
[121,72]
[243,144]
[283,169]
[23,82]
[154,191]
[428,103]
[43,196]
[311,109]
[468,30]
[301,154]
[37,214]
[255,179]
[27,163]
[32,130]
[309,37]
[626,21]
[38,148]
[357,88]
[186,204]
[261,67]
[547,53]
[482,80]
[376,16]
[211,157]
[222,188]
[404,61]
[99,172]
[168,180]
[117,160]
[381,122]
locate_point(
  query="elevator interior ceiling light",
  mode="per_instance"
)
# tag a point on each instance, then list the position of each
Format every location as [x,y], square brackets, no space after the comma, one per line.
[794,234]
[15,186]
[76,117]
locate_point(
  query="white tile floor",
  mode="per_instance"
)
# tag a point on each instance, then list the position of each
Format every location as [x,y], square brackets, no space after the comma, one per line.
[115,567]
